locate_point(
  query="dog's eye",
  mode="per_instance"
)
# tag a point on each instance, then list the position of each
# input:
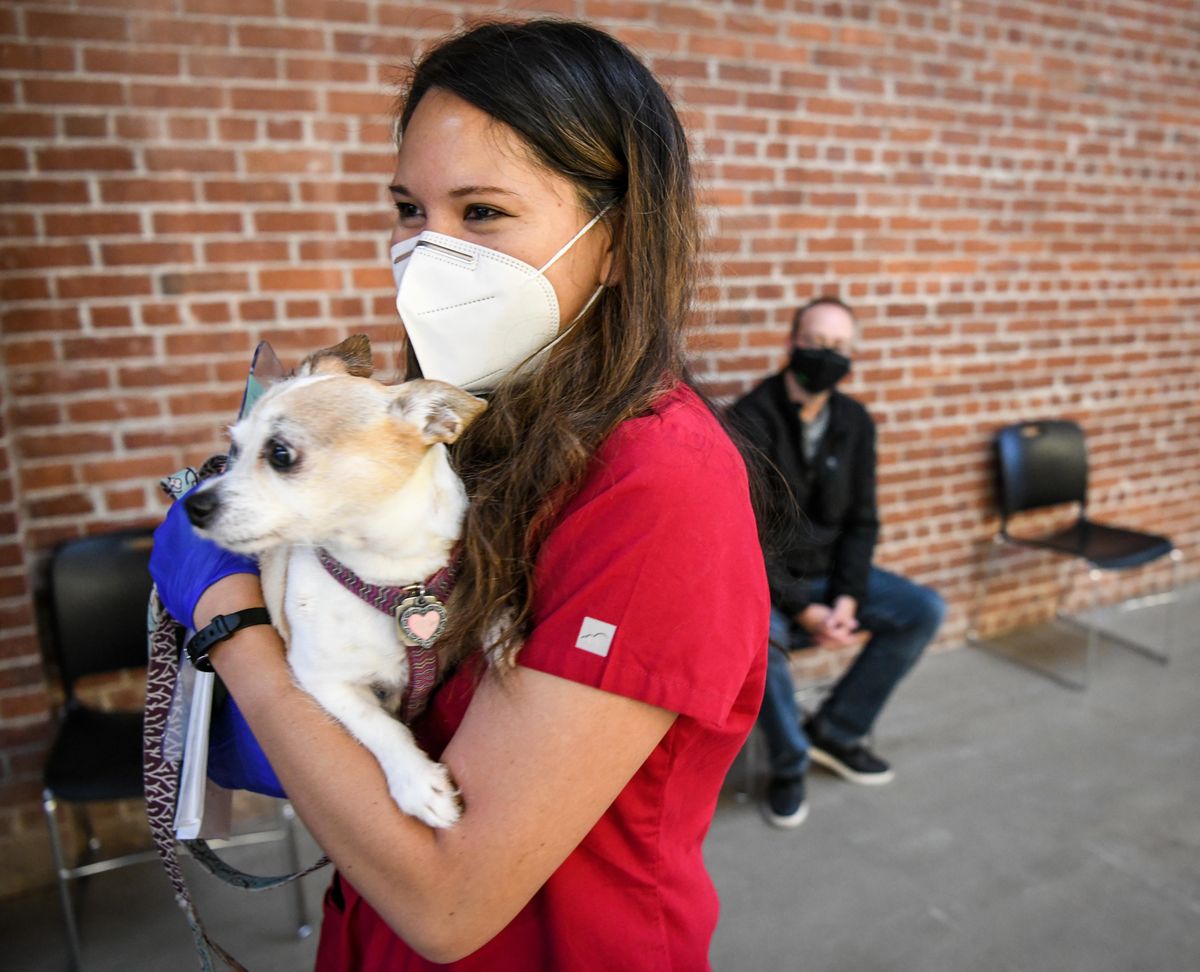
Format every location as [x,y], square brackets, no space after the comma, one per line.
[279,455]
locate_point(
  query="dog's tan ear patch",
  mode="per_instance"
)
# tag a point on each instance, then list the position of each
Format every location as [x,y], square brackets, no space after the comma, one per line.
[350,357]
[440,412]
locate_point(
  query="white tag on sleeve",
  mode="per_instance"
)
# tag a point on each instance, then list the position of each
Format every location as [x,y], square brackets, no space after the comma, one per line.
[595,636]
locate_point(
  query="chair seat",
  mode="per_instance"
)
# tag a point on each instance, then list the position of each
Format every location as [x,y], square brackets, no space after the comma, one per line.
[1106,547]
[96,756]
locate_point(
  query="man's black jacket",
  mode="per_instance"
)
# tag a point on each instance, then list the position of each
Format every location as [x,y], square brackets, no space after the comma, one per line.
[832,525]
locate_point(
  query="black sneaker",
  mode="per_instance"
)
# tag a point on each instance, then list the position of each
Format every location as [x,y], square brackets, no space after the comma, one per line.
[854,762]
[786,806]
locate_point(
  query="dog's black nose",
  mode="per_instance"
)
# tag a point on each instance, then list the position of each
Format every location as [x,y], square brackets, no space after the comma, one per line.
[200,506]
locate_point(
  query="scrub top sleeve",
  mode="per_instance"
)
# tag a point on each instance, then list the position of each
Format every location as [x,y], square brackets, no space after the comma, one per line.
[652,584]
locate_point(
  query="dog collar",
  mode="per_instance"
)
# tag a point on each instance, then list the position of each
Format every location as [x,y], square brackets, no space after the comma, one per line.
[387,599]
[420,619]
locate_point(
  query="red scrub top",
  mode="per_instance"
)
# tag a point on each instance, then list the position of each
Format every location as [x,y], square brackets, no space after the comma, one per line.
[651,585]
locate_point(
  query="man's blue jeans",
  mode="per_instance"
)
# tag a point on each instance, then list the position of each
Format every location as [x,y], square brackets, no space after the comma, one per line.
[902,617]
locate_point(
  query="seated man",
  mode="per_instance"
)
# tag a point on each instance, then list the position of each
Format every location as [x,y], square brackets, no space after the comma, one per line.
[819,447]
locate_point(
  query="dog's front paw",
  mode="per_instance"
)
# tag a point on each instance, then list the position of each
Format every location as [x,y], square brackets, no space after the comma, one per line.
[428,794]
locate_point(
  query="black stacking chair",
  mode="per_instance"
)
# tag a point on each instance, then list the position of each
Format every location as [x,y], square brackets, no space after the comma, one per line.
[98,589]
[1043,464]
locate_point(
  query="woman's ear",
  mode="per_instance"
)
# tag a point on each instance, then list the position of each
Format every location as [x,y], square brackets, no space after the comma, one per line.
[611,264]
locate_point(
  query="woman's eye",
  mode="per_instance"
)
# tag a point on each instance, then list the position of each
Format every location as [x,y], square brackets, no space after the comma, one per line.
[407,211]
[279,455]
[481,213]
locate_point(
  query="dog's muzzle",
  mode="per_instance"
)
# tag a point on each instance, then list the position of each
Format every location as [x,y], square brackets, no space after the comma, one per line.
[201,506]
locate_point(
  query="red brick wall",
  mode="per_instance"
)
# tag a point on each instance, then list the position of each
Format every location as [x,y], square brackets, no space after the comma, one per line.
[1007,192]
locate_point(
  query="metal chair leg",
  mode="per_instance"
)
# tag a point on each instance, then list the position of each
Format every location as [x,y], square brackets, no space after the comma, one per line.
[1095,633]
[62,874]
[1017,658]
[1160,655]
[1013,658]
[1092,632]
[1172,606]
[1173,609]
[1065,592]
[303,925]
[1094,576]
[1168,596]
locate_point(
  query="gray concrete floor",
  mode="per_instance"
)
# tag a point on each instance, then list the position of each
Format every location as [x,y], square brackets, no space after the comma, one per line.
[1029,828]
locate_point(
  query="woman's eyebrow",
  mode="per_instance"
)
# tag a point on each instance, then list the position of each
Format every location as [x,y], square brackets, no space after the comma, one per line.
[481,191]
[400,190]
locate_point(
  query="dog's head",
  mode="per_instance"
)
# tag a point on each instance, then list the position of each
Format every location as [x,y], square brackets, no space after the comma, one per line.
[321,451]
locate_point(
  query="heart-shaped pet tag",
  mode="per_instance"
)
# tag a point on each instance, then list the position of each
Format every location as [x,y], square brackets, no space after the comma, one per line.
[420,620]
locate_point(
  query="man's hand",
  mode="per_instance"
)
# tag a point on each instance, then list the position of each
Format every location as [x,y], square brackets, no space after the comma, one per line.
[831,626]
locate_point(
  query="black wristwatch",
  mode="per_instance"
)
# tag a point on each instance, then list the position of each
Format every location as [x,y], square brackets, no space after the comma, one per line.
[220,628]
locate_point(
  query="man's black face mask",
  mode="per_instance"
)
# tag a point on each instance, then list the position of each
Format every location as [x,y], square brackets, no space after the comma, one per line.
[818,369]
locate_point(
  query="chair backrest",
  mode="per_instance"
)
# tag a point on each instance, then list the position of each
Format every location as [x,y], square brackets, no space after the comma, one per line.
[1040,464]
[99,587]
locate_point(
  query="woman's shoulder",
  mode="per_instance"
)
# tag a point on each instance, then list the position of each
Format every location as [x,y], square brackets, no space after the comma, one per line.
[675,465]
[680,428]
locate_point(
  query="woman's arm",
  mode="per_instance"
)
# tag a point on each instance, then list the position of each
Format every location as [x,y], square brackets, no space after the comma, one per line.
[538,760]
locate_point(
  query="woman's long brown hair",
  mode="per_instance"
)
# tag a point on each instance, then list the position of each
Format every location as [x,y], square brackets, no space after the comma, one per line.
[589,109]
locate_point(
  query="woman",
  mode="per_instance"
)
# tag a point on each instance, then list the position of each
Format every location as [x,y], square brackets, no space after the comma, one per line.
[610,559]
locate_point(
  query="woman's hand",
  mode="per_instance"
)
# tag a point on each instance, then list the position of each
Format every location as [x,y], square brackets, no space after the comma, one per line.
[197,580]
[185,565]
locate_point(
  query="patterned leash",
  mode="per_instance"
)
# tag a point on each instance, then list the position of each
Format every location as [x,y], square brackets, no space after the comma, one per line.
[162,762]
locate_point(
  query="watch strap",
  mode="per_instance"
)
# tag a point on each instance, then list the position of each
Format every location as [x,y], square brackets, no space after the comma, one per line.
[220,628]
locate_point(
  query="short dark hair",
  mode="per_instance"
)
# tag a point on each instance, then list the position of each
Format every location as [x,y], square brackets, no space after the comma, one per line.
[798,317]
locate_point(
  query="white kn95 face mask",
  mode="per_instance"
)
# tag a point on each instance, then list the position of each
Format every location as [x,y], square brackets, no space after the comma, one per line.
[473,315]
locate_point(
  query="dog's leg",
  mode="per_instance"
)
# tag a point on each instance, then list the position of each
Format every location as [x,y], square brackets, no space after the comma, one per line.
[420,786]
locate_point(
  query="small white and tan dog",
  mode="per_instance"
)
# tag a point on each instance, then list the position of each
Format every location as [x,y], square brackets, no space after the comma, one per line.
[344,490]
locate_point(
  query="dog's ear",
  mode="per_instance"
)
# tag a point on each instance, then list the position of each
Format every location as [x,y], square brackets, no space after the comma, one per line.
[351,357]
[440,412]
